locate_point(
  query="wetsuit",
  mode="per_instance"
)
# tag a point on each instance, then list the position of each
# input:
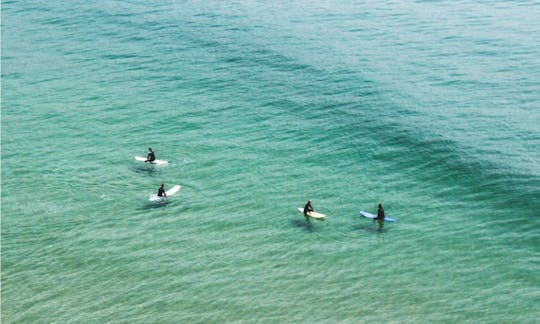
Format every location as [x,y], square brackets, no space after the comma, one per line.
[380,214]
[307,209]
[150,157]
[161,192]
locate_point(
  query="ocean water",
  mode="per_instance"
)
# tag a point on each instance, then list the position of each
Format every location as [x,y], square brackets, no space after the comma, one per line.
[428,107]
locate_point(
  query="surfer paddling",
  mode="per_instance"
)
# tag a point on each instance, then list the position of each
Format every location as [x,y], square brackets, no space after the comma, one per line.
[150,157]
[161,191]
[308,208]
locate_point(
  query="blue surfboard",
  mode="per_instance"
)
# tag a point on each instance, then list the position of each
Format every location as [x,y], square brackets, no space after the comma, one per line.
[371,216]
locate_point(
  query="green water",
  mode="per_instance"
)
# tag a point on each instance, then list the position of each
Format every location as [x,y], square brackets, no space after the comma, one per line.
[428,107]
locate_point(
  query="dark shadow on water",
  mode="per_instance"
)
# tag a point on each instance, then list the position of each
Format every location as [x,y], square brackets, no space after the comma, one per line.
[306,224]
[144,169]
[372,227]
[157,204]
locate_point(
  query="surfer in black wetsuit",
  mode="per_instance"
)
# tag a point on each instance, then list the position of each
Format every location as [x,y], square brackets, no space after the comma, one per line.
[308,208]
[380,214]
[150,157]
[161,191]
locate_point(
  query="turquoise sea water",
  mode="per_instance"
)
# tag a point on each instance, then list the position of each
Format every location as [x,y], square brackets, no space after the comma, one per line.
[428,107]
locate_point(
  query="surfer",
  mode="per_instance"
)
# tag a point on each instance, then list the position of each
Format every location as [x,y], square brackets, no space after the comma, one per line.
[308,208]
[380,214]
[150,157]
[161,191]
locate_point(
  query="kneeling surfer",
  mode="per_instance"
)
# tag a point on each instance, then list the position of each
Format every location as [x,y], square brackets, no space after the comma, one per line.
[150,157]
[161,191]
[308,208]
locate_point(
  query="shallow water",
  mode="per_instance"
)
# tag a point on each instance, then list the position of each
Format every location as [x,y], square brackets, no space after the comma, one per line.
[428,107]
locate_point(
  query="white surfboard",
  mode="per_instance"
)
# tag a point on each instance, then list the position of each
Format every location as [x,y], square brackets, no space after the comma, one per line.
[371,216]
[143,159]
[169,193]
[312,214]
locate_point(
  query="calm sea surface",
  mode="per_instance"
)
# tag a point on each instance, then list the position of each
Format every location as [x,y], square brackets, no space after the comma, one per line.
[431,108]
